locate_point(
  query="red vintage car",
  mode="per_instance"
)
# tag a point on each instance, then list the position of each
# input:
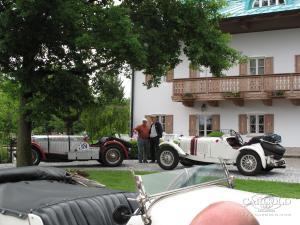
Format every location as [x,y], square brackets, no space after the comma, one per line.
[110,151]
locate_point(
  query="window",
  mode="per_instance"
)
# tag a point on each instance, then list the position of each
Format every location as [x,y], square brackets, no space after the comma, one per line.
[256,124]
[205,125]
[162,120]
[262,3]
[257,66]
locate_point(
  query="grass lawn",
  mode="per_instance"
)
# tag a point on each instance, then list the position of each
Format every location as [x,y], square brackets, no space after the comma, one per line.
[123,180]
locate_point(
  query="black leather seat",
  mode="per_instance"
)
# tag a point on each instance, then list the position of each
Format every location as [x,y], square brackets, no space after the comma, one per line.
[96,210]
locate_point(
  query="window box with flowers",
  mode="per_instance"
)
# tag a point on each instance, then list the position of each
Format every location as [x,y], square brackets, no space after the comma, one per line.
[232,95]
[277,94]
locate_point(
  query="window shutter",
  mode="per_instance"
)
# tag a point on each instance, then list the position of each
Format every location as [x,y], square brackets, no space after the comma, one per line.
[169,124]
[269,123]
[147,78]
[243,69]
[193,125]
[193,71]
[216,122]
[269,65]
[243,124]
[297,63]
[170,75]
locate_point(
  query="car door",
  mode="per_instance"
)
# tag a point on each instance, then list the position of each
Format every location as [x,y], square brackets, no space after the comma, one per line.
[203,148]
[220,149]
[59,144]
[81,150]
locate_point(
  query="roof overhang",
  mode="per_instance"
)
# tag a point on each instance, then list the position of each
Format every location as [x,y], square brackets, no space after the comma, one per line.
[262,22]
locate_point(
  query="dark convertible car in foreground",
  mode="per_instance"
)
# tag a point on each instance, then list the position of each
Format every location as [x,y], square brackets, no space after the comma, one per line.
[51,196]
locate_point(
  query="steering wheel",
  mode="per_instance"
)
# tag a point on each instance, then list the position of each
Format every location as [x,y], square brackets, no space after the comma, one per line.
[238,137]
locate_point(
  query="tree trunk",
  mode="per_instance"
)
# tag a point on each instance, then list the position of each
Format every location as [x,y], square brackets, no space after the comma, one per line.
[24,156]
[69,127]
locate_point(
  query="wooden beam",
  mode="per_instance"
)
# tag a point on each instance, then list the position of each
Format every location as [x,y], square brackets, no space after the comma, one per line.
[267,102]
[262,22]
[213,103]
[238,102]
[295,102]
[245,25]
[188,103]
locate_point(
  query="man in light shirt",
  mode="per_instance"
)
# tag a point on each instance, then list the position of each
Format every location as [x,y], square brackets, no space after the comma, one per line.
[155,134]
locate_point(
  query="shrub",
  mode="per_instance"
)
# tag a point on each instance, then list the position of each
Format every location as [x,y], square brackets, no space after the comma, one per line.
[216,134]
[188,95]
[3,154]
[134,150]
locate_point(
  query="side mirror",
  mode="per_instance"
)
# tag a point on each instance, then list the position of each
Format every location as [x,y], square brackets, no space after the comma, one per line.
[122,214]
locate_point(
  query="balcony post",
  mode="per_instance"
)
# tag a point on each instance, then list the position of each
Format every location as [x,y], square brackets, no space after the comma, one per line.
[292,83]
[263,83]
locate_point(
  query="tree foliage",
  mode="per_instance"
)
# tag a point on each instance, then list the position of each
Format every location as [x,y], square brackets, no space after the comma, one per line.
[58,51]
[168,27]
[91,116]
[106,120]
[9,106]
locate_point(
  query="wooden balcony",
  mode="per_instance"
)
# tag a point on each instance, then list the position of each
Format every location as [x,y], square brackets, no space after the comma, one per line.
[237,89]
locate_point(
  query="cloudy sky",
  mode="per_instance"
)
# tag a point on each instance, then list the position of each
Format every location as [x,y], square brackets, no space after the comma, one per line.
[127,86]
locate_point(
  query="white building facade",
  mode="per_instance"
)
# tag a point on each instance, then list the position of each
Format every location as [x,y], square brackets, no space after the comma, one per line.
[257,97]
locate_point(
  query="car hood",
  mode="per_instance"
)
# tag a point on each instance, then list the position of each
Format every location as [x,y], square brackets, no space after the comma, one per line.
[182,208]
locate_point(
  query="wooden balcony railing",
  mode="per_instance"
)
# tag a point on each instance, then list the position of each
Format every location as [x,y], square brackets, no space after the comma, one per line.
[243,87]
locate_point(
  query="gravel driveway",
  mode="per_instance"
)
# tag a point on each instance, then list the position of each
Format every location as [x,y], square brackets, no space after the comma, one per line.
[290,174]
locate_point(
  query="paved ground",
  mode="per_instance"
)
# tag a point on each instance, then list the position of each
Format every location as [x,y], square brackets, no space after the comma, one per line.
[290,174]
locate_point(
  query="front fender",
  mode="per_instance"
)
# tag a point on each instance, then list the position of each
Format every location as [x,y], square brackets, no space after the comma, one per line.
[115,142]
[39,149]
[259,150]
[174,146]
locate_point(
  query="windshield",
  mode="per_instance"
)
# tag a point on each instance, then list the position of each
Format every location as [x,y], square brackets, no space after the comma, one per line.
[177,179]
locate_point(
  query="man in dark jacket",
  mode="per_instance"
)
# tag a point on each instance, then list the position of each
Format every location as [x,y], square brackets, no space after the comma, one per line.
[155,134]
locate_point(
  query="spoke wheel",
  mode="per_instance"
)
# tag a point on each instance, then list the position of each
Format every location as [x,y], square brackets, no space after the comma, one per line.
[36,158]
[249,163]
[168,158]
[113,156]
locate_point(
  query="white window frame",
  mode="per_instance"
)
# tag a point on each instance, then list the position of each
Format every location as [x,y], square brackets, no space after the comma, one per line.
[205,131]
[269,3]
[256,66]
[256,123]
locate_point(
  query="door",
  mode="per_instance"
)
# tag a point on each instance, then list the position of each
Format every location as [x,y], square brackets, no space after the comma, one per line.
[205,125]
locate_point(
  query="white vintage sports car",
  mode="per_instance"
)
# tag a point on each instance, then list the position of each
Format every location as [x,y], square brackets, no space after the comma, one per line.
[259,153]
[176,197]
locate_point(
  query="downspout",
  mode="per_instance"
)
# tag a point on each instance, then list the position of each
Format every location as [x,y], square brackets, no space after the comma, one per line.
[132,101]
